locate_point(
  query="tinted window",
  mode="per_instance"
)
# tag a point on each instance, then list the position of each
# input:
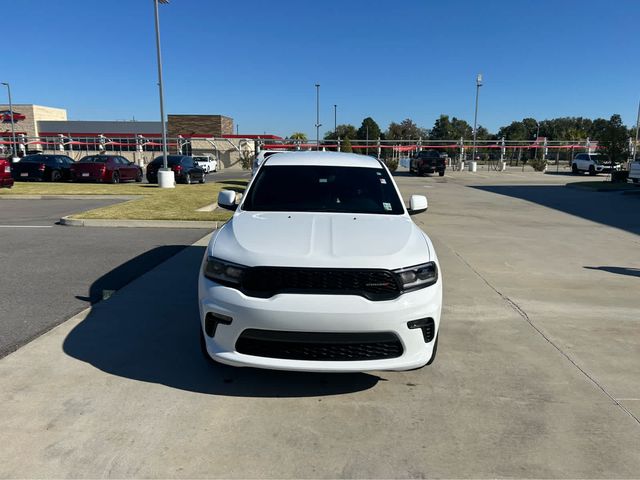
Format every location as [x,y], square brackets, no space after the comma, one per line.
[187,162]
[35,159]
[323,189]
[94,159]
[171,160]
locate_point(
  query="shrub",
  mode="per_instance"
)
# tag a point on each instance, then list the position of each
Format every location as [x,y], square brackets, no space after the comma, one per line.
[538,164]
[392,164]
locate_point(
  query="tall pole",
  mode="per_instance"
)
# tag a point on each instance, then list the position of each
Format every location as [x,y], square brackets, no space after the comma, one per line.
[367,139]
[13,128]
[335,120]
[160,85]
[475,118]
[635,149]
[318,125]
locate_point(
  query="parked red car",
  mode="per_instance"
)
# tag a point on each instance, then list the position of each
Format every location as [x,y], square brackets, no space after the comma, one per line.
[105,168]
[6,180]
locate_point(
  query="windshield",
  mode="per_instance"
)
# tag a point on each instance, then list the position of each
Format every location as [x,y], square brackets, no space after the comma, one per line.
[298,188]
[599,159]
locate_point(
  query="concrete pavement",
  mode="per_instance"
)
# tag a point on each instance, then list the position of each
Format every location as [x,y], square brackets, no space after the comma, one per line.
[51,272]
[534,377]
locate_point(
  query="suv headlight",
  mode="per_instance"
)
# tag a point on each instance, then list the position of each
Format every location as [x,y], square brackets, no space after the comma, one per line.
[226,273]
[419,276]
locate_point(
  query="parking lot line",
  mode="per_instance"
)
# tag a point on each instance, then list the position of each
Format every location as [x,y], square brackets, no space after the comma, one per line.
[26,226]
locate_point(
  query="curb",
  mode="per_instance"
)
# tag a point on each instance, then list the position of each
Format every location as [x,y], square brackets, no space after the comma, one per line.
[95,222]
[10,196]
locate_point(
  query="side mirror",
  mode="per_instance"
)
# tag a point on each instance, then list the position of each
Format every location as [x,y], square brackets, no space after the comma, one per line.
[227,199]
[417,204]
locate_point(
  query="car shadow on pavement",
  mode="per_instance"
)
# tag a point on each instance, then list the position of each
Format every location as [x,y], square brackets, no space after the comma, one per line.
[149,331]
[607,208]
[632,272]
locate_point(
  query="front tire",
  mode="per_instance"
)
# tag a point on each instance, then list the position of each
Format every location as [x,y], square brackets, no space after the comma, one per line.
[187,179]
[203,179]
[56,176]
[441,174]
[115,178]
[574,169]
[592,170]
[139,177]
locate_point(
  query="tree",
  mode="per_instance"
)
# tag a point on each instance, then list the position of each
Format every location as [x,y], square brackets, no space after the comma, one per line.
[613,136]
[298,136]
[405,130]
[369,129]
[346,145]
[342,131]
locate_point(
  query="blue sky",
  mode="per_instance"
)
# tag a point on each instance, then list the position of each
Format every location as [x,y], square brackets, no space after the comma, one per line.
[258,61]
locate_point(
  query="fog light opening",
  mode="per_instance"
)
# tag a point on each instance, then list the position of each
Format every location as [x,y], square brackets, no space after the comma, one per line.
[212,320]
[427,325]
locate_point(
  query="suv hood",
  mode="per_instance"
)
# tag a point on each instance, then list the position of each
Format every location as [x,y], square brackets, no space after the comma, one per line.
[299,239]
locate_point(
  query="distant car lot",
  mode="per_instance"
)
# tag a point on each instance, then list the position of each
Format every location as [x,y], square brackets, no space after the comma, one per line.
[48,270]
[537,376]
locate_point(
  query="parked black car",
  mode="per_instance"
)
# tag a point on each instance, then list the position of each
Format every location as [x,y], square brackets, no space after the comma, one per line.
[183,166]
[47,168]
[428,161]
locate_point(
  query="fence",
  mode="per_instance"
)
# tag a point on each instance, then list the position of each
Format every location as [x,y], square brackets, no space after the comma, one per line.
[233,152]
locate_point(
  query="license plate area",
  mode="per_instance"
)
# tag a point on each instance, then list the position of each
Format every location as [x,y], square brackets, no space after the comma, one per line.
[85,174]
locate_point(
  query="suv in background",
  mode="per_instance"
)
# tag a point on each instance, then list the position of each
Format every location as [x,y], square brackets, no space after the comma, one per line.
[593,163]
[206,162]
[428,161]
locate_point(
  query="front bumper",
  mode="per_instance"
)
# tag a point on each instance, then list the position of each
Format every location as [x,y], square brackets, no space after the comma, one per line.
[319,313]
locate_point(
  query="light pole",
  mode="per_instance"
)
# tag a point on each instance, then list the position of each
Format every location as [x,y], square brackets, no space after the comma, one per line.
[13,128]
[635,149]
[335,120]
[166,178]
[475,118]
[318,124]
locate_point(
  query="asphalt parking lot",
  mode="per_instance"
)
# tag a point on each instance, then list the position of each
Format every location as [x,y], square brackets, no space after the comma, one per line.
[50,272]
[536,375]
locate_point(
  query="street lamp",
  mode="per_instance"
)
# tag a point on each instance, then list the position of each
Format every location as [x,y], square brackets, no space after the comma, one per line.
[335,120]
[635,147]
[475,118]
[13,128]
[166,178]
[318,124]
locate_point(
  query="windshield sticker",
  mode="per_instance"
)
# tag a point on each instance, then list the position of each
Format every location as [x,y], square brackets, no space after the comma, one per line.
[387,206]
[383,181]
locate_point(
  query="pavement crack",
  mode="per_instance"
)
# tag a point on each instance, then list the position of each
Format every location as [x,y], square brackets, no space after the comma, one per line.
[526,318]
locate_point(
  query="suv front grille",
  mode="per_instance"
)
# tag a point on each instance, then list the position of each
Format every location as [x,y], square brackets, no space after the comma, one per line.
[268,281]
[319,346]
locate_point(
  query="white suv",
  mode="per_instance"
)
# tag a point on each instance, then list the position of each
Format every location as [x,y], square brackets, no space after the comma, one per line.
[320,268]
[206,162]
[593,163]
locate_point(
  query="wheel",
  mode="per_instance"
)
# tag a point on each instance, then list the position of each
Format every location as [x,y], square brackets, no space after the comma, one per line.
[435,350]
[202,179]
[203,349]
[139,176]
[574,169]
[115,178]
[56,176]
[592,170]
[187,179]
[441,174]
